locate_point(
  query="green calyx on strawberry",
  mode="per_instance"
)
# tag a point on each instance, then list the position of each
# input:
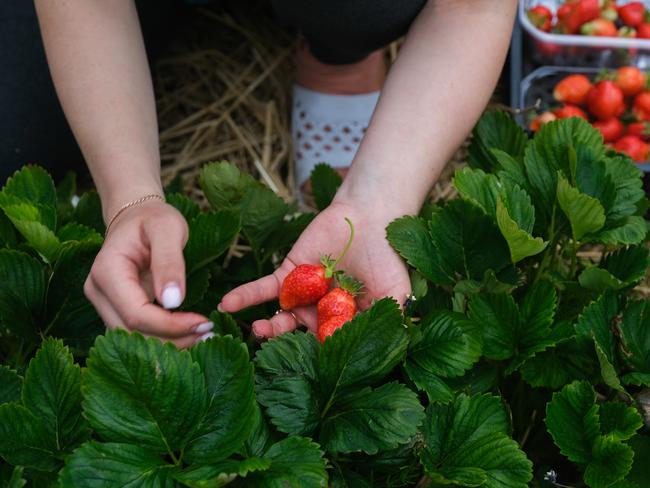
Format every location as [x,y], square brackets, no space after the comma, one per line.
[308,283]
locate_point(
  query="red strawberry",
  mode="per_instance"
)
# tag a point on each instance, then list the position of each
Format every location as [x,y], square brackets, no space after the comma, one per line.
[634,147]
[567,111]
[640,129]
[328,327]
[540,120]
[611,129]
[599,27]
[605,100]
[578,13]
[572,89]
[643,31]
[305,285]
[308,283]
[339,301]
[632,14]
[630,80]
[641,106]
[541,17]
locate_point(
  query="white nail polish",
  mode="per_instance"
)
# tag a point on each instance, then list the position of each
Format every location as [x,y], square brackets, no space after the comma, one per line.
[203,328]
[171,296]
[205,337]
[220,309]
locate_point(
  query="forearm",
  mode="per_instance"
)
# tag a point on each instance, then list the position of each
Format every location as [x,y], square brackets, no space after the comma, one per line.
[435,92]
[99,67]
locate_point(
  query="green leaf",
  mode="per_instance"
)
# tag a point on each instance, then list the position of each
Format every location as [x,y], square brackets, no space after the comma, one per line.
[325,181]
[52,392]
[262,212]
[586,215]
[28,218]
[626,177]
[372,420]
[185,205]
[596,322]
[143,392]
[109,465]
[552,149]
[573,422]
[16,480]
[211,234]
[222,473]
[441,348]
[229,382]
[635,336]
[72,231]
[618,421]
[259,438]
[33,185]
[640,472]
[197,285]
[225,324]
[469,243]
[364,350]
[521,243]
[495,130]
[506,332]
[23,273]
[411,239]
[10,385]
[68,312]
[89,212]
[478,187]
[466,443]
[631,230]
[295,461]
[8,237]
[24,439]
[611,462]
[286,382]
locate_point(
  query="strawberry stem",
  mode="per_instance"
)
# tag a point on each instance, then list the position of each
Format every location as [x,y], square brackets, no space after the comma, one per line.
[330,265]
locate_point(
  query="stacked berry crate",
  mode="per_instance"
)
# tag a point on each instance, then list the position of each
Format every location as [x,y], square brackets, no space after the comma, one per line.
[586,58]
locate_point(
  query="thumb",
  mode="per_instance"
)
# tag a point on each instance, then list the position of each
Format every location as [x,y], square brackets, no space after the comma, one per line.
[167,238]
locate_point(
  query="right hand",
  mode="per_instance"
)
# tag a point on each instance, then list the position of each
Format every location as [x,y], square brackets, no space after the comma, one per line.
[142,259]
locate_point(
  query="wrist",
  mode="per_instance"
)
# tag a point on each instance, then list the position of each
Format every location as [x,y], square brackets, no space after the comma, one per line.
[113,200]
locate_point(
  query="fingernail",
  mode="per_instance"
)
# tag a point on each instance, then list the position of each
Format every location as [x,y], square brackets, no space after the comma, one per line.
[203,328]
[220,309]
[171,296]
[255,332]
[205,337]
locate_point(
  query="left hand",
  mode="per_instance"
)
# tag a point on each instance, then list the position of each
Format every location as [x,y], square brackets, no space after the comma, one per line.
[370,259]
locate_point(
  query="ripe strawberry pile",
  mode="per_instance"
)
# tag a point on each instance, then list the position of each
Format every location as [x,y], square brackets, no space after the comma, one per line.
[594,18]
[309,284]
[616,103]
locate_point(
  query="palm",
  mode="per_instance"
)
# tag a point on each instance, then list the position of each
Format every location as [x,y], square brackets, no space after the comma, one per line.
[370,259]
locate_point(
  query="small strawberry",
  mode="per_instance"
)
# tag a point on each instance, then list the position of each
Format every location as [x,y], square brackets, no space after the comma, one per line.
[339,300]
[541,17]
[329,326]
[599,27]
[308,283]
[567,111]
[632,14]
[630,80]
[611,129]
[541,119]
[641,106]
[640,129]
[634,147]
[605,100]
[643,31]
[578,13]
[573,89]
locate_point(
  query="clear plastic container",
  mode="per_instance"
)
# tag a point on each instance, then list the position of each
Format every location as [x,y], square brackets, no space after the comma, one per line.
[539,85]
[546,48]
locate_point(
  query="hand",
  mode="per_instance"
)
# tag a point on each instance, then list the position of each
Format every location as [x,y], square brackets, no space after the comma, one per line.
[370,259]
[142,258]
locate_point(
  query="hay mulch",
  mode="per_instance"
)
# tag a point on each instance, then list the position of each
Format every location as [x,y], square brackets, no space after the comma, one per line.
[223,92]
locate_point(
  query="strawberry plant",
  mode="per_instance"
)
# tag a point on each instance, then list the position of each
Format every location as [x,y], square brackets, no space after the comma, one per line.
[520,359]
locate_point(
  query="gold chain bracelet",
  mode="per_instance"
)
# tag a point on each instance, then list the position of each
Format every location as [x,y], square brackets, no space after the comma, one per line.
[133,203]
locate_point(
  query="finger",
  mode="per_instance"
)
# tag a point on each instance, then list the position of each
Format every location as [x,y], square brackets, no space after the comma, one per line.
[122,289]
[167,239]
[280,323]
[307,316]
[107,313]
